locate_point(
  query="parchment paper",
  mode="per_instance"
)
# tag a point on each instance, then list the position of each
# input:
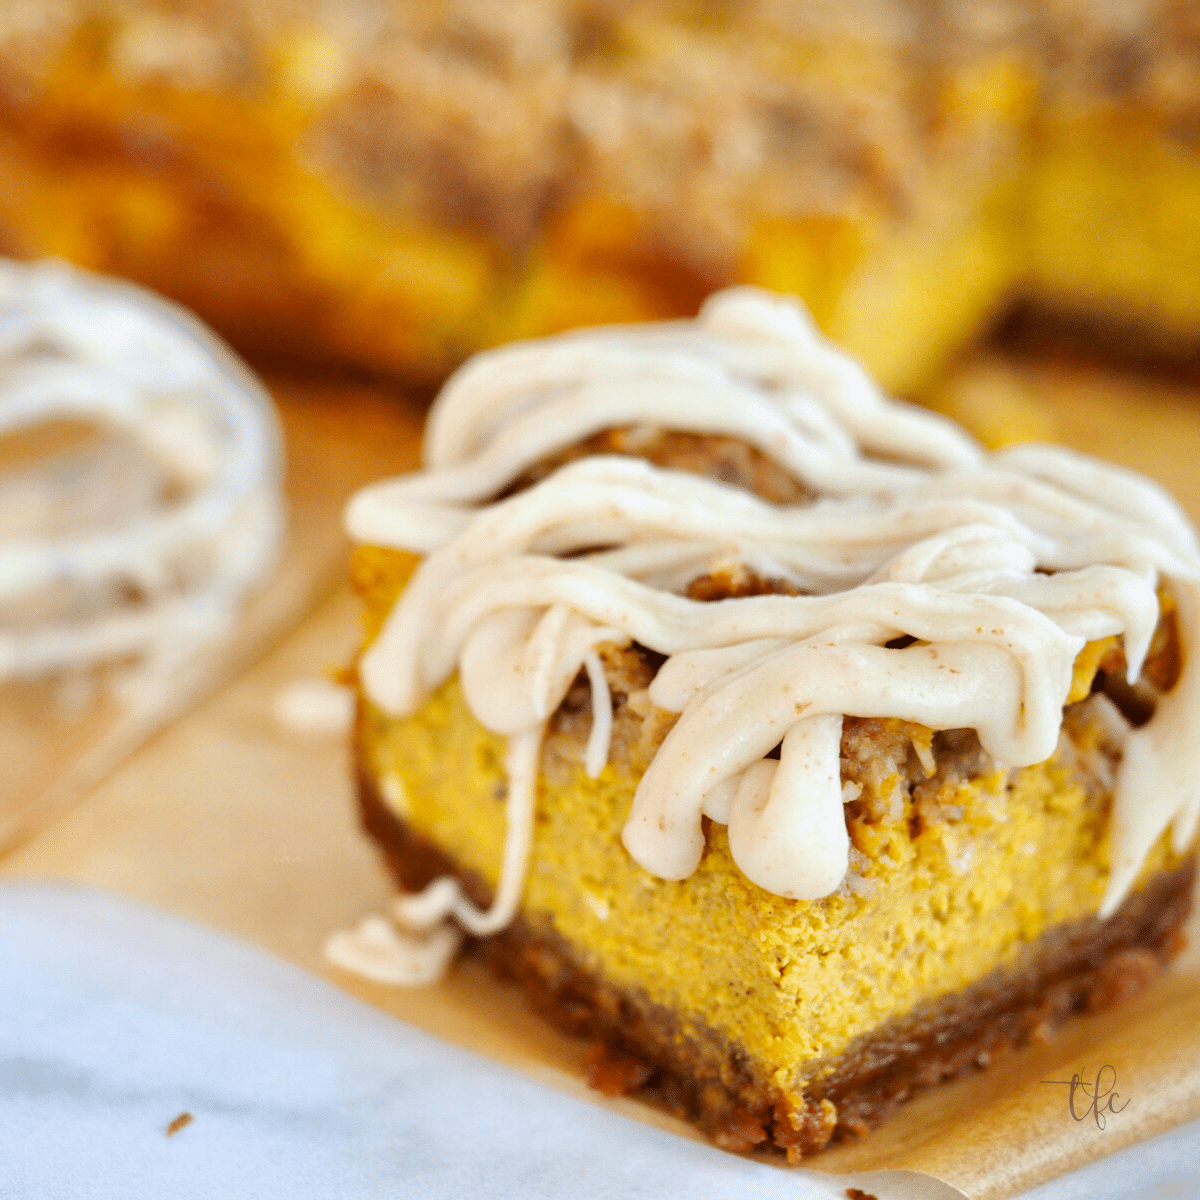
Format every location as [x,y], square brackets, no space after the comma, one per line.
[233,821]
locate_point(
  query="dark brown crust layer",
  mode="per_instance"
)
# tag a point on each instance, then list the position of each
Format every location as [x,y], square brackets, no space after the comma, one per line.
[1080,966]
[1120,341]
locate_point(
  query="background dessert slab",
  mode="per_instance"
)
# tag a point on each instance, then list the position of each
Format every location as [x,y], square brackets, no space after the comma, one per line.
[230,820]
[398,184]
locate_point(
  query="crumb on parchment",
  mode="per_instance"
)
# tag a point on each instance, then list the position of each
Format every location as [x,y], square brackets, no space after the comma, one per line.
[181,1122]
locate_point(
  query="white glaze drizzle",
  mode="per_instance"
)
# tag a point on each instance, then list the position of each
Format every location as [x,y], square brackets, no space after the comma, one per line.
[376,950]
[444,897]
[947,545]
[77,346]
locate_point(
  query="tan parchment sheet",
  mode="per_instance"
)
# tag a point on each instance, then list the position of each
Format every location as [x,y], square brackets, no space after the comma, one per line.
[229,818]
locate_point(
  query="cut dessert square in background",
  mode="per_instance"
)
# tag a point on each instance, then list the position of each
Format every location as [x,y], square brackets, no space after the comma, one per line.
[394,185]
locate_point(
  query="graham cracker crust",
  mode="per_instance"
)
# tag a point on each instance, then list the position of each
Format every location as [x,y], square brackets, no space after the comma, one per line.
[1121,341]
[699,1074]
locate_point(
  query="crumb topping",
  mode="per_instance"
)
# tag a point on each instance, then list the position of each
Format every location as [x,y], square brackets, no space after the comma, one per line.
[498,116]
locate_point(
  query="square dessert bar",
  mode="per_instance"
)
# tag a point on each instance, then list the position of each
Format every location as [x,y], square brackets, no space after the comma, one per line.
[768,731]
[397,190]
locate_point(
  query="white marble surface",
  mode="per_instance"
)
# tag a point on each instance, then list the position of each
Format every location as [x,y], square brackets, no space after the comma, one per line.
[1164,1168]
[115,1018]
